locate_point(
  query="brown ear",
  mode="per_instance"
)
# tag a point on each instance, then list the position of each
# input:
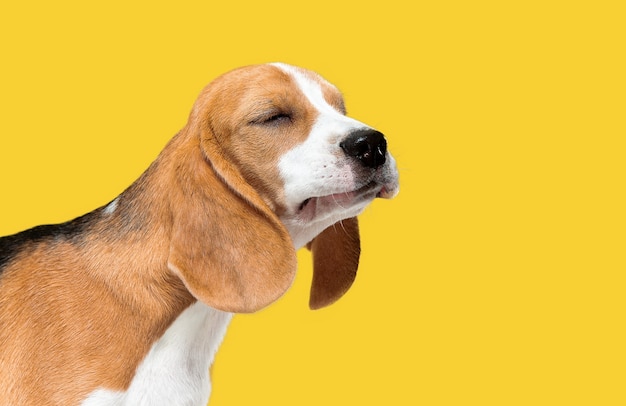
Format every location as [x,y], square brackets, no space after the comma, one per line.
[336,252]
[228,247]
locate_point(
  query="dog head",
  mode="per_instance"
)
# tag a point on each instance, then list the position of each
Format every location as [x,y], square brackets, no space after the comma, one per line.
[297,171]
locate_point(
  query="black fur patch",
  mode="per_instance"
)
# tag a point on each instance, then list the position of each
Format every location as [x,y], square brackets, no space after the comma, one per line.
[11,245]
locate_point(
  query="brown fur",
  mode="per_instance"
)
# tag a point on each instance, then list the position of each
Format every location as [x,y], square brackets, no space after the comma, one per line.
[201,223]
[75,315]
[336,253]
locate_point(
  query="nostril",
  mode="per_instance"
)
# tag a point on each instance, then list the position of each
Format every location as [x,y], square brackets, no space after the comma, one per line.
[356,146]
[367,145]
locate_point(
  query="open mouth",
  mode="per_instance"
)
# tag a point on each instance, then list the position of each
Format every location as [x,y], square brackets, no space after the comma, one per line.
[304,203]
[344,199]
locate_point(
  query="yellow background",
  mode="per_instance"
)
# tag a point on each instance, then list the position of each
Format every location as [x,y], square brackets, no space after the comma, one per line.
[497,275]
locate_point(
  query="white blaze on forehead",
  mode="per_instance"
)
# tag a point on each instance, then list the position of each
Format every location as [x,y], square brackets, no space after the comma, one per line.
[311,89]
[331,125]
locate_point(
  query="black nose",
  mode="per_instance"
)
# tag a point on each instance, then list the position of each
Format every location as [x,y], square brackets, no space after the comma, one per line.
[367,145]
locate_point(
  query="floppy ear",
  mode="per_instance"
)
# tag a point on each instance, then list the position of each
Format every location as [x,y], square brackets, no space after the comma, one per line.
[228,247]
[336,252]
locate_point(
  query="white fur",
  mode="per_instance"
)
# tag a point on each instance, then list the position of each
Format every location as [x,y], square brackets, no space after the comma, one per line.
[175,371]
[111,207]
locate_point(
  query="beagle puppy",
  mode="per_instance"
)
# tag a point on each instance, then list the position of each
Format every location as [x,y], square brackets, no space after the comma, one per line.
[128,304]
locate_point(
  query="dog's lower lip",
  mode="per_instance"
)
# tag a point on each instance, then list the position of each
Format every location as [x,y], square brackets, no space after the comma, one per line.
[359,191]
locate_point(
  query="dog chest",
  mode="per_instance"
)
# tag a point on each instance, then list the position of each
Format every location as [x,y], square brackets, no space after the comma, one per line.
[176,369]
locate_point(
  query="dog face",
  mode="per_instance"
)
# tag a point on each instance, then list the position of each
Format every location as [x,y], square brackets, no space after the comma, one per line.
[291,140]
[281,165]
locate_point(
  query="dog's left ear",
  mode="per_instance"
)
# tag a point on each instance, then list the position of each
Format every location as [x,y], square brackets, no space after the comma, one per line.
[229,249]
[336,253]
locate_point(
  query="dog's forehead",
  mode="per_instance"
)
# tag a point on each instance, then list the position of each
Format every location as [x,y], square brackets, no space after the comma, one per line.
[233,95]
[279,82]
[320,93]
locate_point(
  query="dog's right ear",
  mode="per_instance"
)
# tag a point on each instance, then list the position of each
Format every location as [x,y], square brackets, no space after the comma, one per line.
[336,253]
[230,250]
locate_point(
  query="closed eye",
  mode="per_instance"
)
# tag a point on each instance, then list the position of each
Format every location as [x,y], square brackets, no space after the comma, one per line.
[272,118]
[277,118]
